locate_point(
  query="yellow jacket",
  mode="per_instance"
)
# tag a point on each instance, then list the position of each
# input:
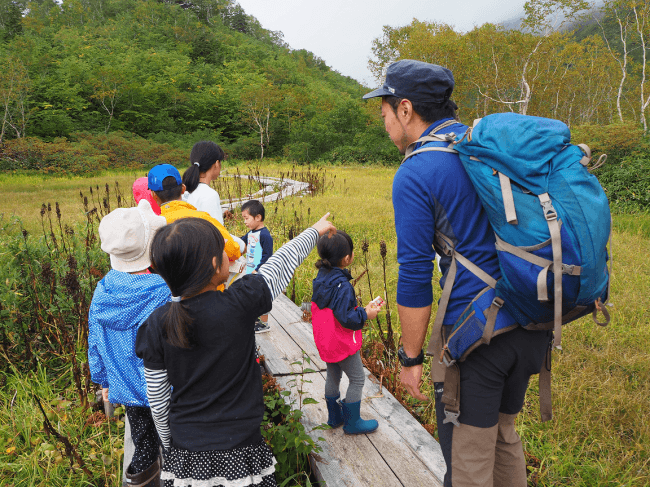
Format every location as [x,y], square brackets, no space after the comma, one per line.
[175,210]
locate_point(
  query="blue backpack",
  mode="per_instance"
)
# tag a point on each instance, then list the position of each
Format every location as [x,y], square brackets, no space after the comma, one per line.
[548,212]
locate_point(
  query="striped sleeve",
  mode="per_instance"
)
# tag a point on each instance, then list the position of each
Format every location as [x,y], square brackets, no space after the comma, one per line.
[159,394]
[278,270]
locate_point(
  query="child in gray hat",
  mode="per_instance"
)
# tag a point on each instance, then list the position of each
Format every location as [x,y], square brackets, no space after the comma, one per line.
[122,301]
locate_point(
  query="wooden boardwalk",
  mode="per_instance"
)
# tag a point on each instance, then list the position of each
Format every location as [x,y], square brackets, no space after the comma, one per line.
[400,453]
[287,188]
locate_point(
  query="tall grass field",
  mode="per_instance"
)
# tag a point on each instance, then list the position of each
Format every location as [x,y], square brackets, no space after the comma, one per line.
[600,432]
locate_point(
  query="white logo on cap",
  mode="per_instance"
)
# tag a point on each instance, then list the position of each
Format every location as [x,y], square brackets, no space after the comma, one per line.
[392,90]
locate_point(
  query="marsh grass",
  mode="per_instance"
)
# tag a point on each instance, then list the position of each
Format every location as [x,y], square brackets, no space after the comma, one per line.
[23,195]
[30,456]
[600,433]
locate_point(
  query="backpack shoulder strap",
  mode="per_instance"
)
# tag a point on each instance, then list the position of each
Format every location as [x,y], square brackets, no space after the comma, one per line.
[433,136]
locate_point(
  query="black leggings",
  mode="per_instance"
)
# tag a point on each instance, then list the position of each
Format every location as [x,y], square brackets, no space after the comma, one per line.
[145,438]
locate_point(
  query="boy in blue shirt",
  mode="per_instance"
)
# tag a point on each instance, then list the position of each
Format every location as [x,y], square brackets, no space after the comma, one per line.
[259,247]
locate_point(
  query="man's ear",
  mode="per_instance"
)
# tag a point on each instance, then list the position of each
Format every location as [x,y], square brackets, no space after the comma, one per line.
[258,218]
[183,189]
[405,110]
[214,263]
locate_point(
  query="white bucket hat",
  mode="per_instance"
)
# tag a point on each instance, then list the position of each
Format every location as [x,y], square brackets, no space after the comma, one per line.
[126,235]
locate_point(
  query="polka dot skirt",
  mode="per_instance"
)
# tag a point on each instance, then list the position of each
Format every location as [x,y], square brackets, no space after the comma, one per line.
[238,467]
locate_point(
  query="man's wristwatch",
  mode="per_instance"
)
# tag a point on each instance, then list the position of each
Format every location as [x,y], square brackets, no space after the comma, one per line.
[407,361]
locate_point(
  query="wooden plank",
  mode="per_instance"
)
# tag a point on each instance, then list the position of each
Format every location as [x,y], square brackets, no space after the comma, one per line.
[284,343]
[400,452]
[287,308]
[347,460]
[280,350]
[289,188]
[289,317]
[302,334]
[405,431]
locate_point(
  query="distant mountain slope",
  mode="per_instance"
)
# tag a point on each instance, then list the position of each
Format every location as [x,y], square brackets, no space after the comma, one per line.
[514,22]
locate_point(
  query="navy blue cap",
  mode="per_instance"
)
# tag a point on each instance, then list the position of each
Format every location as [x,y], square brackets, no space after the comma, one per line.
[416,81]
[160,172]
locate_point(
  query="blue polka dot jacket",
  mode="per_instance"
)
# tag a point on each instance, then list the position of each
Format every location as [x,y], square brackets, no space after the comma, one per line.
[121,303]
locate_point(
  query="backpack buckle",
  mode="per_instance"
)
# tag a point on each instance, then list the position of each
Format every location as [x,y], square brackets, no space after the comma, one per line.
[451,417]
[549,211]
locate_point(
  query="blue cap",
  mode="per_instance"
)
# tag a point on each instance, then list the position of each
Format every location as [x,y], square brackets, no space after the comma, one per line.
[160,172]
[416,81]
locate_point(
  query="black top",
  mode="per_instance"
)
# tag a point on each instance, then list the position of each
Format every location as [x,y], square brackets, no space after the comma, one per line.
[217,401]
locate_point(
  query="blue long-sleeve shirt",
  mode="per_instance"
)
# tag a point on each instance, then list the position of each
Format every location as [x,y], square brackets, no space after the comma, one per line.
[431,191]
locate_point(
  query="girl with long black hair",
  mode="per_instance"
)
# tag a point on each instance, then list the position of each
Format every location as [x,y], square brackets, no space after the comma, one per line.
[205,166]
[202,344]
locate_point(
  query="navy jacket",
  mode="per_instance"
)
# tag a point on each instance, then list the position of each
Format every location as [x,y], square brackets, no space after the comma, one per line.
[332,289]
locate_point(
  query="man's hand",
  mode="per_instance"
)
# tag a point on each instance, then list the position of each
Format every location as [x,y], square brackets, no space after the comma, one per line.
[411,379]
[105,394]
[324,226]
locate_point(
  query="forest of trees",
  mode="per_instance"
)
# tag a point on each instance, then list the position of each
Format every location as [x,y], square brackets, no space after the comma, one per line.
[596,73]
[175,72]
[164,70]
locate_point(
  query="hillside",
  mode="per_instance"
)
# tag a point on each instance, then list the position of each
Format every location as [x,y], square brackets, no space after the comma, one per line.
[173,72]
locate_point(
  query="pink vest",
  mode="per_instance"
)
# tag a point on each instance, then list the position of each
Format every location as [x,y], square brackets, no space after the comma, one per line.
[334,342]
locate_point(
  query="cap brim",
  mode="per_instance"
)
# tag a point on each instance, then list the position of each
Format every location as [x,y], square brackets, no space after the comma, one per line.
[378,92]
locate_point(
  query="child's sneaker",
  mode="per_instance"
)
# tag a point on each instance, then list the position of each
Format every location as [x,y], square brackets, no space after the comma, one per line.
[261,327]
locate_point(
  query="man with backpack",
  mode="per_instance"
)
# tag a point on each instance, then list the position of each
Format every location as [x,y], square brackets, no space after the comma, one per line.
[437,207]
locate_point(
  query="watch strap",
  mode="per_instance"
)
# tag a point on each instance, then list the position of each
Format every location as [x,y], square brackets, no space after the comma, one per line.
[407,361]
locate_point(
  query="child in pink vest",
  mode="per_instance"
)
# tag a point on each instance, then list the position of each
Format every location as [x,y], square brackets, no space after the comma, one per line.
[337,322]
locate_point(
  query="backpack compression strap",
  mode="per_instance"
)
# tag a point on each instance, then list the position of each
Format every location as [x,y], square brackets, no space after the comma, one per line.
[556,244]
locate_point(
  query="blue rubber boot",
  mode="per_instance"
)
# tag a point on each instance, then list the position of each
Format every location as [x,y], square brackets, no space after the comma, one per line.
[334,411]
[354,425]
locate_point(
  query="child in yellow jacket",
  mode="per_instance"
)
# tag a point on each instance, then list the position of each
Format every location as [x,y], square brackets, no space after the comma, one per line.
[167,189]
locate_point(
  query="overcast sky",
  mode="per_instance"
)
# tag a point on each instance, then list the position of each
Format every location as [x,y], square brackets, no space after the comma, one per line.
[341,31]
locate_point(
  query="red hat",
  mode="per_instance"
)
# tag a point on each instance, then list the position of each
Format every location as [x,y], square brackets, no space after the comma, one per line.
[141,191]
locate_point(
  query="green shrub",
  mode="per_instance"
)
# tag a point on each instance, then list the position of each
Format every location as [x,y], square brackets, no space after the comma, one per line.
[247,148]
[281,426]
[617,140]
[85,153]
[186,141]
[627,184]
